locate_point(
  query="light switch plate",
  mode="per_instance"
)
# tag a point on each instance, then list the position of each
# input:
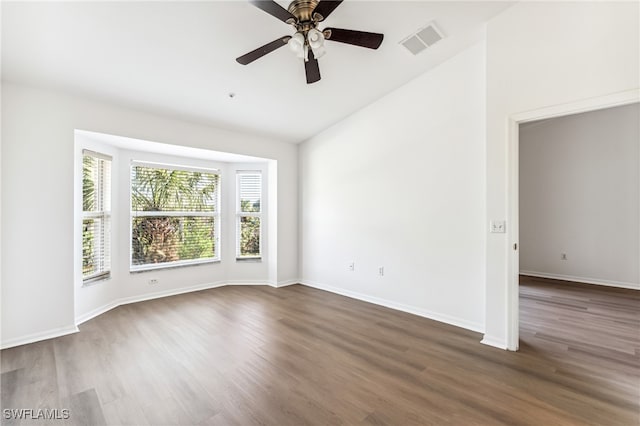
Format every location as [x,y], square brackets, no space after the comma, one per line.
[498,227]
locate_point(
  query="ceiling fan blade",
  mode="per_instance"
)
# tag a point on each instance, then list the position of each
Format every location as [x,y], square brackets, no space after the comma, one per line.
[325,7]
[357,38]
[312,69]
[263,50]
[273,9]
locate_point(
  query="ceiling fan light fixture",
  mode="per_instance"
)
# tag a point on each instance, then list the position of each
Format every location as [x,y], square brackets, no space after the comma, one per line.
[319,52]
[297,45]
[315,39]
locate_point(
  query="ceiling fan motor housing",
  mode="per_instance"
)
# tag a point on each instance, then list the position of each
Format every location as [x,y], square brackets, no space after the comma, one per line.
[303,10]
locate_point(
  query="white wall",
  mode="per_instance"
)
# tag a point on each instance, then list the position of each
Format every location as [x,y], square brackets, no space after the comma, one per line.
[579,190]
[88,299]
[400,184]
[38,181]
[541,54]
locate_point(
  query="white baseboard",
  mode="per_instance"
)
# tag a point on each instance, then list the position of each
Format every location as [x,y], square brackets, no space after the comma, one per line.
[286,283]
[36,337]
[49,334]
[141,298]
[447,319]
[247,282]
[95,312]
[495,342]
[167,293]
[586,280]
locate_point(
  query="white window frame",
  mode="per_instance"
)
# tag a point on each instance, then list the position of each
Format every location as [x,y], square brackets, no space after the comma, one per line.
[240,214]
[215,215]
[104,215]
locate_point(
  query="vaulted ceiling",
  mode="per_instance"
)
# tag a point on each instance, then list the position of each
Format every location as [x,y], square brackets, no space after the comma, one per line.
[178,58]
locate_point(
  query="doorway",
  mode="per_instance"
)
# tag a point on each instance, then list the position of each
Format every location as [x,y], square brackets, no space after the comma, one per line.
[513,231]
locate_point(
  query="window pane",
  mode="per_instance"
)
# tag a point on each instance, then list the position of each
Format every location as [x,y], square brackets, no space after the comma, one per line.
[88,183]
[179,235]
[156,189]
[249,236]
[161,239]
[89,266]
[250,191]
[95,246]
[96,184]
[96,204]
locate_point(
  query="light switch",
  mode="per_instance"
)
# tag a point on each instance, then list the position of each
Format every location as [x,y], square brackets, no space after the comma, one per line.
[498,227]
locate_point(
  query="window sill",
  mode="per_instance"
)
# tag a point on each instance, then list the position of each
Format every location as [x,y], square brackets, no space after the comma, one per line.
[160,266]
[95,280]
[249,259]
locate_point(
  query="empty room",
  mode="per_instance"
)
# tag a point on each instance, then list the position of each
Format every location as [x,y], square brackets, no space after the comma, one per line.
[320,212]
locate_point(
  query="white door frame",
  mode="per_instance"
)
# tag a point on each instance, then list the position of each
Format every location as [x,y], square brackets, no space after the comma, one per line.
[513,228]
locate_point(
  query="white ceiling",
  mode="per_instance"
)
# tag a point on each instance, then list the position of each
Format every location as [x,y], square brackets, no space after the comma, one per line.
[178,58]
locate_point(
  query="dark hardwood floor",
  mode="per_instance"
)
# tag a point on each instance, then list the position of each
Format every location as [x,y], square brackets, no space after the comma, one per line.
[292,356]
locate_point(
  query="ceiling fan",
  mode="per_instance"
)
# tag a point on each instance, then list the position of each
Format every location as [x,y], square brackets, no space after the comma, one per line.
[308,40]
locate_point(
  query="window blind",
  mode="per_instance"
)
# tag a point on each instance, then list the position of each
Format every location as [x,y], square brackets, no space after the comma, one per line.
[174,216]
[96,216]
[250,190]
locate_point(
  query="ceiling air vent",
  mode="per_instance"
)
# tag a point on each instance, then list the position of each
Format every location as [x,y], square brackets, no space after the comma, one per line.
[423,38]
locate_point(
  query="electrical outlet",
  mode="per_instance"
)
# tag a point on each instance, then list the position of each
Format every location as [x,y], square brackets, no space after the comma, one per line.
[498,227]
[153,281]
[352,266]
[563,256]
[381,271]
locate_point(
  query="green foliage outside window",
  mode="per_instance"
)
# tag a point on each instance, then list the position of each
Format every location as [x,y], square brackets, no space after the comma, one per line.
[249,231]
[170,238]
[88,204]
[96,206]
